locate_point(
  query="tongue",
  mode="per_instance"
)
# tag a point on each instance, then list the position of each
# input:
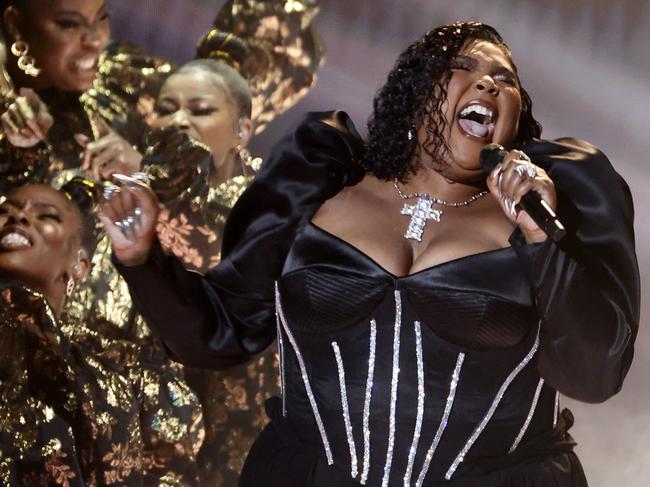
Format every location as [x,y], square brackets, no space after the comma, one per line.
[474,128]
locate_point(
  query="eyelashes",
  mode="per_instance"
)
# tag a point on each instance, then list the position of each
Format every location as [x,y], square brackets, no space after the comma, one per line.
[50,216]
[43,216]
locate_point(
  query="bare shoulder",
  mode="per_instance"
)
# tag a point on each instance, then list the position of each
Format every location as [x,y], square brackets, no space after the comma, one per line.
[351,203]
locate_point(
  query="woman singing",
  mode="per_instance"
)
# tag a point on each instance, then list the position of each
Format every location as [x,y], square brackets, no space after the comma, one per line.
[426,324]
[67,410]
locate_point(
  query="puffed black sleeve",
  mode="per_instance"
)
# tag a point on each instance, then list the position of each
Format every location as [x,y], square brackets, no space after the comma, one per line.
[228,316]
[587,286]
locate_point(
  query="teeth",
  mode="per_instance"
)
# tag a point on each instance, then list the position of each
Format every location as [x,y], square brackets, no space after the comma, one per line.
[476,108]
[14,241]
[87,63]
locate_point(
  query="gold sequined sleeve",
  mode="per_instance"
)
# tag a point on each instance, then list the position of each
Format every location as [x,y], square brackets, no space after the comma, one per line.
[125,89]
[284,50]
[177,165]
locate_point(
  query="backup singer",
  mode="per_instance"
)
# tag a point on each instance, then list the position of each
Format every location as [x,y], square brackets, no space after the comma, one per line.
[423,340]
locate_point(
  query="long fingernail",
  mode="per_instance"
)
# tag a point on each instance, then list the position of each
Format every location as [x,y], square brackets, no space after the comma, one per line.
[496,171]
[127,180]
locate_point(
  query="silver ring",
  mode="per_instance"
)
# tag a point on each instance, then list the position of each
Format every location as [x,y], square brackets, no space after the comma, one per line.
[521,171]
[127,227]
[526,170]
[138,216]
[110,190]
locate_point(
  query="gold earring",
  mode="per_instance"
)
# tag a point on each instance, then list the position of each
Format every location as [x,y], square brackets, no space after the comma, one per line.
[255,163]
[26,62]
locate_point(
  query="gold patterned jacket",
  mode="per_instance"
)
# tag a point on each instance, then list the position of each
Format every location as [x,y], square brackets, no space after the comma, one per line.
[67,415]
[284,53]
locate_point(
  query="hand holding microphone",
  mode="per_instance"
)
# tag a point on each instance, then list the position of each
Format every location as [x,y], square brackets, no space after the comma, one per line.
[526,193]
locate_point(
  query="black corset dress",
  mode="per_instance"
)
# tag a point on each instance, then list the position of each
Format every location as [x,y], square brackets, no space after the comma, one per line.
[449,376]
[404,381]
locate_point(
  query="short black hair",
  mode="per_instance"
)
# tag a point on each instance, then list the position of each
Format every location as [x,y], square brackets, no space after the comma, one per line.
[413,96]
[233,81]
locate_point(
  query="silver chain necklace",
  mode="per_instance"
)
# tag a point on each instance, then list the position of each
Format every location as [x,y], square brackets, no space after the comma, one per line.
[422,210]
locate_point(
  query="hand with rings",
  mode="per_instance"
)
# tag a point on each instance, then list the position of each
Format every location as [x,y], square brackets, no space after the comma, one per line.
[511,180]
[26,120]
[129,214]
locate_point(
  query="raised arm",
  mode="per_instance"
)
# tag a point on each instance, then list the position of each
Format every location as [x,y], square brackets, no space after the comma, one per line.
[228,316]
[587,287]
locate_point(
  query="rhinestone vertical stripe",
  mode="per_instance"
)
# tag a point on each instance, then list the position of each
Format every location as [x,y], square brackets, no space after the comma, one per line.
[420,410]
[366,404]
[493,407]
[556,412]
[443,422]
[346,411]
[393,389]
[305,378]
[281,371]
[526,424]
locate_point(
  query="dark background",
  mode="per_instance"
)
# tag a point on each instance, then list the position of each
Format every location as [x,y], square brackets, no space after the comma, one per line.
[587,69]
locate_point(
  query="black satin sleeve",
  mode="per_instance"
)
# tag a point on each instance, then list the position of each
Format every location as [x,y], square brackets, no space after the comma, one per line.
[228,316]
[586,287]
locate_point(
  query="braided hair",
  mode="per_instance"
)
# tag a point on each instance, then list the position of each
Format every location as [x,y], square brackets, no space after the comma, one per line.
[413,96]
[85,195]
[222,46]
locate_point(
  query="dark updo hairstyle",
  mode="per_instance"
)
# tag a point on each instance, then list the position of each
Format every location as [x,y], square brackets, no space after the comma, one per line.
[233,81]
[85,195]
[222,46]
[413,96]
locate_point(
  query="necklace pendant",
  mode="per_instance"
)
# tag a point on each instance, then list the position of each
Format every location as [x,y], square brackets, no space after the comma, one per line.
[420,213]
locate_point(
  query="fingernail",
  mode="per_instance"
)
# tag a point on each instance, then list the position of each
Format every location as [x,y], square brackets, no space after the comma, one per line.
[109,191]
[128,180]
[496,171]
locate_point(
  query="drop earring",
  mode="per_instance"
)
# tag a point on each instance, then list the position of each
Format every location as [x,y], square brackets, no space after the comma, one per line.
[26,61]
[69,287]
[255,163]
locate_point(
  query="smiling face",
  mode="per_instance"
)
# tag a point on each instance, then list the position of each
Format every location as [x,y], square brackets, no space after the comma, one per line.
[65,37]
[483,105]
[198,103]
[39,236]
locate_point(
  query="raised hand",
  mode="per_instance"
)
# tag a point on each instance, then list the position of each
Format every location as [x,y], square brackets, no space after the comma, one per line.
[514,178]
[27,120]
[129,214]
[110,154]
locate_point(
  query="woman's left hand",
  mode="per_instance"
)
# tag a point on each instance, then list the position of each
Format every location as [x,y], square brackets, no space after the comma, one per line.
[514,178]
[108,155]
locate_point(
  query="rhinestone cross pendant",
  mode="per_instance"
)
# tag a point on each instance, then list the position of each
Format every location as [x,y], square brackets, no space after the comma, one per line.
[420,212]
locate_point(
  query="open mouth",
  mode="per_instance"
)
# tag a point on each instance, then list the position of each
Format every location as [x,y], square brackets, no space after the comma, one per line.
[477,120]
[12,239]
[87,63]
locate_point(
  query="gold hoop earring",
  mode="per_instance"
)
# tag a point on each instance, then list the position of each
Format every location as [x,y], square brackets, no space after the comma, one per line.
[26,62]
[255,163]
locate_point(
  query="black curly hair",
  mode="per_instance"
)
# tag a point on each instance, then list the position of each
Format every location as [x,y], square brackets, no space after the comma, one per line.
[413,96]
